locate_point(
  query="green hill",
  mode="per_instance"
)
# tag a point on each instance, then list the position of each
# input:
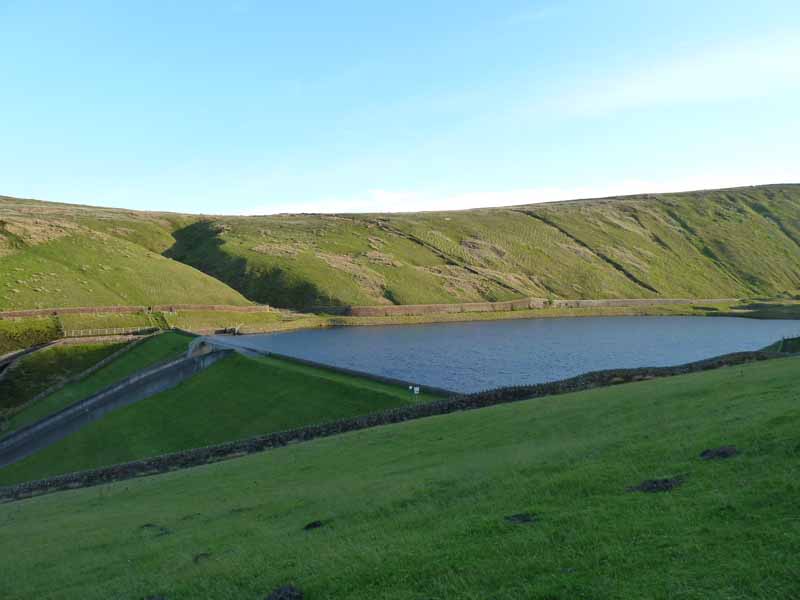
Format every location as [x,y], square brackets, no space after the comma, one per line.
[527,500]
[742,242]
[64,255]
[720,244]
[235,398]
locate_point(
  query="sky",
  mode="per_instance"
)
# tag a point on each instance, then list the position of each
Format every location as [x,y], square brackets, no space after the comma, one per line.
[260,107]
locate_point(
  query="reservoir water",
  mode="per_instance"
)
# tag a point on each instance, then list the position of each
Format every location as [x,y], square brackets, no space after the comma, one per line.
[469,357]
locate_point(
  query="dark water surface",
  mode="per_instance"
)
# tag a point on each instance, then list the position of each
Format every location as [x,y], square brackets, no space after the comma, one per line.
[469,357]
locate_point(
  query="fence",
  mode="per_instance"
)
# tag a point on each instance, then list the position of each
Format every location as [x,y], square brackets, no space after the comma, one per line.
[109,331]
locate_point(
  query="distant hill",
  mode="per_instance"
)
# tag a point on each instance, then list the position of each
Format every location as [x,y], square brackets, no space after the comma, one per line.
[740,242]
[63,255]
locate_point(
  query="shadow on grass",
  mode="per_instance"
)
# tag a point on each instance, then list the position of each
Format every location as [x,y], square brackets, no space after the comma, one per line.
[199,245]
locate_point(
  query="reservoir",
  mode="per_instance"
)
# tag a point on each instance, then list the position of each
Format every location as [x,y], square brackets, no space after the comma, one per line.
[474,356]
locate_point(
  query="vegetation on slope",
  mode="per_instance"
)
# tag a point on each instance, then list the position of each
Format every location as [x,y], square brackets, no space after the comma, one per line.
[89,321]
[195,320]
[235,398]
[720,244]
[419,510]
[22,333]
[152,351]
[61,255]
[786,345]
[739,242]
[41,370]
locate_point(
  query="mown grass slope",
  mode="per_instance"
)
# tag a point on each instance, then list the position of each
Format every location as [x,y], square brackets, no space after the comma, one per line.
[418,510]
[718,244]
[41,370]
[62,255]
[235,398]
[155,350]
[217,319]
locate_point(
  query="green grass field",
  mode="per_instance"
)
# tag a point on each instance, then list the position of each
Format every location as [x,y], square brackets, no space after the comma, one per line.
[418,510]
[150,352]
[43,369]
[208,319]
[73,322]
[236,398]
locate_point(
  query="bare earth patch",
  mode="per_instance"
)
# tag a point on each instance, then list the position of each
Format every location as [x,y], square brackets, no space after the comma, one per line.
[652,486]
[719,453]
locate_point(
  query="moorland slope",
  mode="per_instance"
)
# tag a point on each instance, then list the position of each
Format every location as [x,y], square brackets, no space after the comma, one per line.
[54,255]
[732,243]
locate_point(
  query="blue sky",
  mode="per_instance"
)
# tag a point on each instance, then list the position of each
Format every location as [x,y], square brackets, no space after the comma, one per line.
[261,107]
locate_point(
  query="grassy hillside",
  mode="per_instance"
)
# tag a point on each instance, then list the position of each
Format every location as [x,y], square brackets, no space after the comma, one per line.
[740,242]
[727,243]
[527,500]
[61,255]
[161,348]
[23,333]
[43,369]
[235,398]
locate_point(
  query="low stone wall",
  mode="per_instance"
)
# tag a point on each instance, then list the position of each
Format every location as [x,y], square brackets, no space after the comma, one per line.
[30,439]
[211,307]
[200,456]
[46,312]
[510,305]
[634,302]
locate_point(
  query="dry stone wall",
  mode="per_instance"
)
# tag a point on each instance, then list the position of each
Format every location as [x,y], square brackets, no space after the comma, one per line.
[511,305]
[200,456]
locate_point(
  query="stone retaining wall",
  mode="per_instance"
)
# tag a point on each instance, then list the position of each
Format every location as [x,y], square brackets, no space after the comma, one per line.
[200,456]
[511,305]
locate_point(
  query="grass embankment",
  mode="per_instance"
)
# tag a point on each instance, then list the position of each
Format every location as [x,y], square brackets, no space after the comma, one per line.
[22,333]
[235,398]
[93,321]
[41,370]
[418,510]
[786,345]
[764,309]
[150,352]
[198,320]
